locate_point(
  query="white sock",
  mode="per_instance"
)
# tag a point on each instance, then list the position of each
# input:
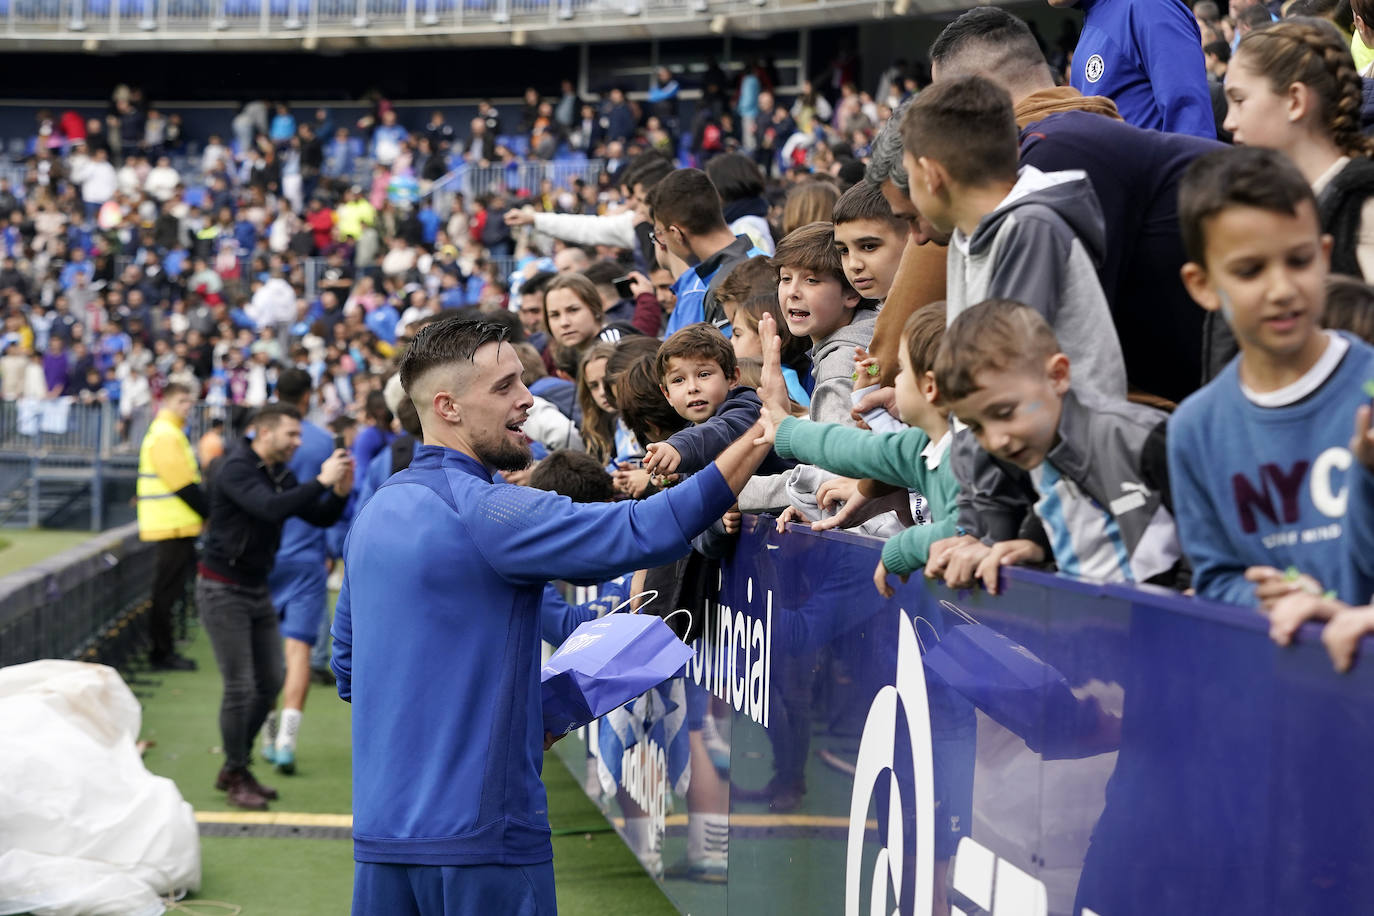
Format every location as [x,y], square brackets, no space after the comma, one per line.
[269,732]
[708,836]
[286,732]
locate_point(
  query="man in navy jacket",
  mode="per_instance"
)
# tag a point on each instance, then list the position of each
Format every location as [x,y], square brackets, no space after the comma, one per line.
[1145,55]
[436,633]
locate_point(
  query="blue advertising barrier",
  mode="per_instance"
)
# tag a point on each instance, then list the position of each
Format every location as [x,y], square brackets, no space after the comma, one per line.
[1061,748]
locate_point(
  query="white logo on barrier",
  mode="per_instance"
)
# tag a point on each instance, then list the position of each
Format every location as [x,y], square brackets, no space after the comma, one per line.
[1094,68]
[877,753]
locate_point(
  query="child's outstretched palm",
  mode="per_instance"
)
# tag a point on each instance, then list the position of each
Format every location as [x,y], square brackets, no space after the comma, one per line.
[773,390]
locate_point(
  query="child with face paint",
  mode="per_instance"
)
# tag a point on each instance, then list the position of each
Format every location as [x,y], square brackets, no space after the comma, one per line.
[1271,495]
[1097,480]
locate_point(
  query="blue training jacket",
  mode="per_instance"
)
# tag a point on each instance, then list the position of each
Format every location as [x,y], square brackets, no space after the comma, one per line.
[436,644]
[301,542]
[1145,55]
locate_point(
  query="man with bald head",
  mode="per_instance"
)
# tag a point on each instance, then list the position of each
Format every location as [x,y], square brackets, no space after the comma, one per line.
[436,633]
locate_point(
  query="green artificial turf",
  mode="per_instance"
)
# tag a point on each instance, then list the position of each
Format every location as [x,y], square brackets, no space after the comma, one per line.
[19,549]
[596,875]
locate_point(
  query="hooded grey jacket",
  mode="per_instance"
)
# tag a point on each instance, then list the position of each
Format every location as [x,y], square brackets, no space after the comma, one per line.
[1040,247]
[1103,507]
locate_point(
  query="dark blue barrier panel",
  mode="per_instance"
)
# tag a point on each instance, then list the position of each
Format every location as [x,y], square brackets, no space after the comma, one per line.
[1063,748]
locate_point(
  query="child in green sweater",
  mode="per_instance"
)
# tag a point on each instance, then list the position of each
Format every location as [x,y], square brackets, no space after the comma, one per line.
[915,458]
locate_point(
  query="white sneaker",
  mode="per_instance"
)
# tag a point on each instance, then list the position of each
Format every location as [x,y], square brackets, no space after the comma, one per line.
[269,737]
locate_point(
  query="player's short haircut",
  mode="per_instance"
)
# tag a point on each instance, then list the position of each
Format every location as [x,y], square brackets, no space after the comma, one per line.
[453,340]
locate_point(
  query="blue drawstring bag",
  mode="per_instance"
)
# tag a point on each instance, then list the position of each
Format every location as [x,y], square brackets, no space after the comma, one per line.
[605,664]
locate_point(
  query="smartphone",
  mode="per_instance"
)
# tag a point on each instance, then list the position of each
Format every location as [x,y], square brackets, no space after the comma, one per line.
[339,441]
[624,287]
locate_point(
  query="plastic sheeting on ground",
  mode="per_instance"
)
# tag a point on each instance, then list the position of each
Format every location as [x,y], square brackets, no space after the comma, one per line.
[84,827]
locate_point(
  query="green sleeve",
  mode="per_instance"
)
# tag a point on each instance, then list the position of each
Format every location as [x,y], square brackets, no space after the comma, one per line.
[893,458]
[908,551]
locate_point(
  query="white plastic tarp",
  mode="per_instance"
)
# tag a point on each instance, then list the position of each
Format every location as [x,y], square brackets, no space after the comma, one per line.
[84,827]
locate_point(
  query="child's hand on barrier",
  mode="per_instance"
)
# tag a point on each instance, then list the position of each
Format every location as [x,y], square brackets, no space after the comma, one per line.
[1006,553]
[1272,584]
[880,575]
[1290,612]
[790,514]
[661,459]
[942,551]
[962,566]
[1343,634]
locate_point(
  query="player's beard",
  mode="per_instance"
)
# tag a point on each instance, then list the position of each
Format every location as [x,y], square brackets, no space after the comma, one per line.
[505,455]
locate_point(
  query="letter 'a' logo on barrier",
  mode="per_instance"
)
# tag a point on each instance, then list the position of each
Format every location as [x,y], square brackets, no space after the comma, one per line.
[903,706]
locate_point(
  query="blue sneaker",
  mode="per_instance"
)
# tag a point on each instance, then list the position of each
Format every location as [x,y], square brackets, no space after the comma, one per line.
[285,760]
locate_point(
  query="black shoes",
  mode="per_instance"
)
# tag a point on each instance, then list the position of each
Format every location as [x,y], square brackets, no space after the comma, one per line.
[173,662]
[243,783]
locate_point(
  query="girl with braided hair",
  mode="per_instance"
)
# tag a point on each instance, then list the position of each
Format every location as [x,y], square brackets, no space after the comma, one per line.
[1293,87]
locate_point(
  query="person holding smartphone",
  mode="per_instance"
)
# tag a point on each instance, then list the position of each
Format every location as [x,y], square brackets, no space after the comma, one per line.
[298,580]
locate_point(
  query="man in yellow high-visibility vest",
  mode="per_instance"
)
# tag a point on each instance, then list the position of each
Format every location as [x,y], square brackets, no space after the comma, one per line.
[171,506]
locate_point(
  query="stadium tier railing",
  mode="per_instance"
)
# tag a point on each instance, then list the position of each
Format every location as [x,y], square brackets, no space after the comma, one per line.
[281,18]
[1063,747]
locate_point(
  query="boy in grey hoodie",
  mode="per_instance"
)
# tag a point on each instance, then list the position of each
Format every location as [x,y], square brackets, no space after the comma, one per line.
[1024,235]
[817,302]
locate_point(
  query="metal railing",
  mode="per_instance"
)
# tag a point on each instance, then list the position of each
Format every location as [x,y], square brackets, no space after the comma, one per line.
[281,18]
[84,603]
[66,428]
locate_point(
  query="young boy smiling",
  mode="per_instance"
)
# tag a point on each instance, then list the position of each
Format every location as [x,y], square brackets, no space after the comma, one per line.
[1098,476]
[1260,457]
[699,376]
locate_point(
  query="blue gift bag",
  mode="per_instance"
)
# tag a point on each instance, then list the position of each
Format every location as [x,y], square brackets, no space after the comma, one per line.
[1017,690]
[605,664]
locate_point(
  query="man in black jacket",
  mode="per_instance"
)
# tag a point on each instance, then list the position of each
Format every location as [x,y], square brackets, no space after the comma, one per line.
[253,495]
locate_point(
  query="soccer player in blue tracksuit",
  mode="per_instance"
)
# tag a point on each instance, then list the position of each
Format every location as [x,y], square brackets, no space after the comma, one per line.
[1146,56]
[436,633]
[298,581]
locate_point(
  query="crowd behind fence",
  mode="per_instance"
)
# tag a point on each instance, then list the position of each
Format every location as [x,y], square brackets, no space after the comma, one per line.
[68,428]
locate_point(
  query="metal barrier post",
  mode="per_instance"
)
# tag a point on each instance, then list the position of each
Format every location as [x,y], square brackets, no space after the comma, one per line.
[33,491]
[98,474]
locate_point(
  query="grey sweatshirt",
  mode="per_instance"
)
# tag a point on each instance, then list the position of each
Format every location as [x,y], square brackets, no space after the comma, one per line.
[1040,247]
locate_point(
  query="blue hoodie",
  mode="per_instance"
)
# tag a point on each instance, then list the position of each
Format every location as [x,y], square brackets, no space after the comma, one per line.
[436,645]
[1145,55]
[1271,486]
